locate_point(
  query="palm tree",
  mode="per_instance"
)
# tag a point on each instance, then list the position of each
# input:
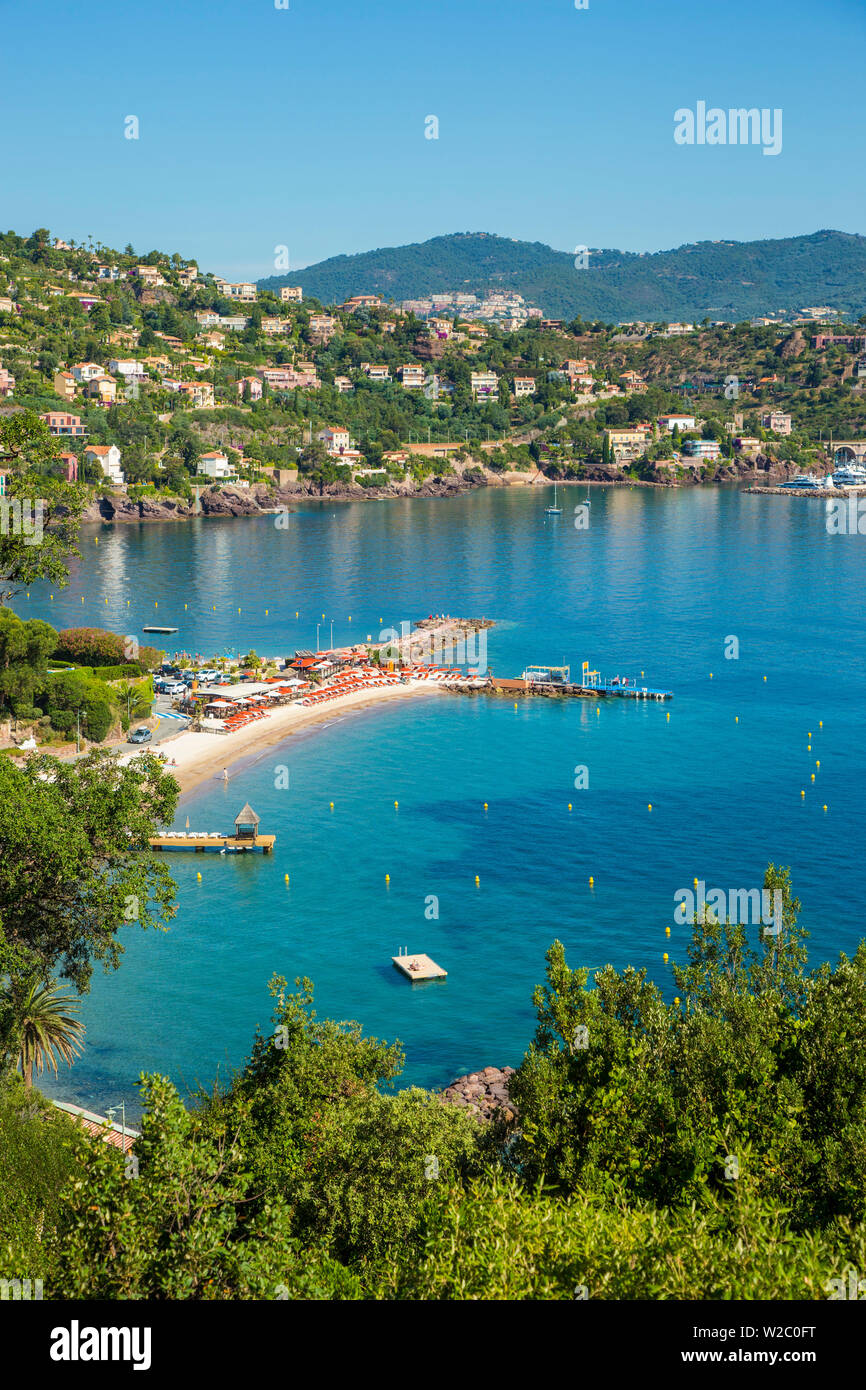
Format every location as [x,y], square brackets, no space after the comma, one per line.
[41,1026]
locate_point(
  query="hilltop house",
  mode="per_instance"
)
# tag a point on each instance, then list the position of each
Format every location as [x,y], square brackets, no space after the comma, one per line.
[524,386]
[339,444]
[64,385]
[255,387]
[376,371]
[216,465]
[678,422]
[86,371]
[412,376]
[102,389]
[291,294]
[107,456]
[777,421]
[484,384]
[7,382]
[59,422]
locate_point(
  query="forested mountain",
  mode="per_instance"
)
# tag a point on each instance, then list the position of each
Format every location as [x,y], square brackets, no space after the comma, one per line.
[719,279]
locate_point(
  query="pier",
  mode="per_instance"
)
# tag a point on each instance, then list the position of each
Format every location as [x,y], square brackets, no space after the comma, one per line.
[245,840]
[555,681]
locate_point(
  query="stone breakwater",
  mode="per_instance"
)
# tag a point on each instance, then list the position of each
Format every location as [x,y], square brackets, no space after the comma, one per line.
[485,1093]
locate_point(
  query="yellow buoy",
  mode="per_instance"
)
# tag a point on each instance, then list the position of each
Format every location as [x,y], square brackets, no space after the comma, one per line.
[817,762]
[765,678]
[296,615]
[711,675]
[82,599]
[477,880]
[809,735]
[676,999]
[396,803]
[198,876]
[485,805]
[331,805]
[668,715]
[825,808]
[695,882]
[808,748]
[266,610]
[820,723]
[285,878]
[569,805]
[667,931]
[387,878]
[802,793]
[350,617]
[813,776]
[591,880]
[736,719]
[323,617]
[597,710]
[127,603]
[665,957]
[96,540]
[649,806]
[641,672]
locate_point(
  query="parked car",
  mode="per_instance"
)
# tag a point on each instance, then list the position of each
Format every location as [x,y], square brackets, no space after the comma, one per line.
[141,735]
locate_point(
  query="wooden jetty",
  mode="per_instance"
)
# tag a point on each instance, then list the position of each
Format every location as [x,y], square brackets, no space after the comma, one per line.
[419,967]
[245,840]
[591,686]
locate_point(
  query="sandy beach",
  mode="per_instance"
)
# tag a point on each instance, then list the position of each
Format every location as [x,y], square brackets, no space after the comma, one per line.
[202,756]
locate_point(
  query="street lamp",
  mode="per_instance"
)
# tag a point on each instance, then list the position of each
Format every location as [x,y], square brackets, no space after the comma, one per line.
[78,729]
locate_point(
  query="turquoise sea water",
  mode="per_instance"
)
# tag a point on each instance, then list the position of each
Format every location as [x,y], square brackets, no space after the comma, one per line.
[659,582]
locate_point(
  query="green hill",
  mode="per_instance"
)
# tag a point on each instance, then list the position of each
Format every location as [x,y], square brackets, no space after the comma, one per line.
[720,279]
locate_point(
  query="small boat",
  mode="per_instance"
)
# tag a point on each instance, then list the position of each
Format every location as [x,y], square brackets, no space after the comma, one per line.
[151,628]
[554,510]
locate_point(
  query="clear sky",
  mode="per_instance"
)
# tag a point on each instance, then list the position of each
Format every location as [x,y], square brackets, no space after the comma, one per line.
[305,126]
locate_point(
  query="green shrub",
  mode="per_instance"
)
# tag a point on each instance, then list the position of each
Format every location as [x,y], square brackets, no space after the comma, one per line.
[62,719]
[118,673]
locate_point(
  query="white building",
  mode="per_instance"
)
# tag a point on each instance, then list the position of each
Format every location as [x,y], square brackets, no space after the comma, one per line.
[291,294]
[679,422]
[108,458]
[216,465]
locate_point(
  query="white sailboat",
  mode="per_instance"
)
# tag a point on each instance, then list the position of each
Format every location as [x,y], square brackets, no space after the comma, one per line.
[554,510]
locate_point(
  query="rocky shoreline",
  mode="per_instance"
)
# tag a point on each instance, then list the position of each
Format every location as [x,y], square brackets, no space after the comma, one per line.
[485,1093]
[259,499]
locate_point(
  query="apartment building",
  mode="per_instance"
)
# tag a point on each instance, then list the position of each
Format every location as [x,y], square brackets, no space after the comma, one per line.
[524,386]
[484,384]
[412,377]
[291,294]
[777,421]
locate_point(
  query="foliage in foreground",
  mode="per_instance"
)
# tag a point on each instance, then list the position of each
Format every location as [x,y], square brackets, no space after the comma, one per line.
[708,1149]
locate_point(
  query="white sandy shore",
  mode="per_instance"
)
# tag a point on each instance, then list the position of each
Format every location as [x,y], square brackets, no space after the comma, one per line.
[200,757]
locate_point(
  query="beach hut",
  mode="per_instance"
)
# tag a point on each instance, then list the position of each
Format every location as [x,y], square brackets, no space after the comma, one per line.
[246,824]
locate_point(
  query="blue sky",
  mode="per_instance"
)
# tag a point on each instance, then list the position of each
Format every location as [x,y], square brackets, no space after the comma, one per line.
[304,127]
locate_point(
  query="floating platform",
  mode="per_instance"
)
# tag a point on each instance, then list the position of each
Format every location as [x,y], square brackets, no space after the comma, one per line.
[151,628]
[215,844]
[419,968]
[570,689]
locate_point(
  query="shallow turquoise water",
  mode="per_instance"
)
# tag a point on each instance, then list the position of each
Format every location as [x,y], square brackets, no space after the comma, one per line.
[657,583]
